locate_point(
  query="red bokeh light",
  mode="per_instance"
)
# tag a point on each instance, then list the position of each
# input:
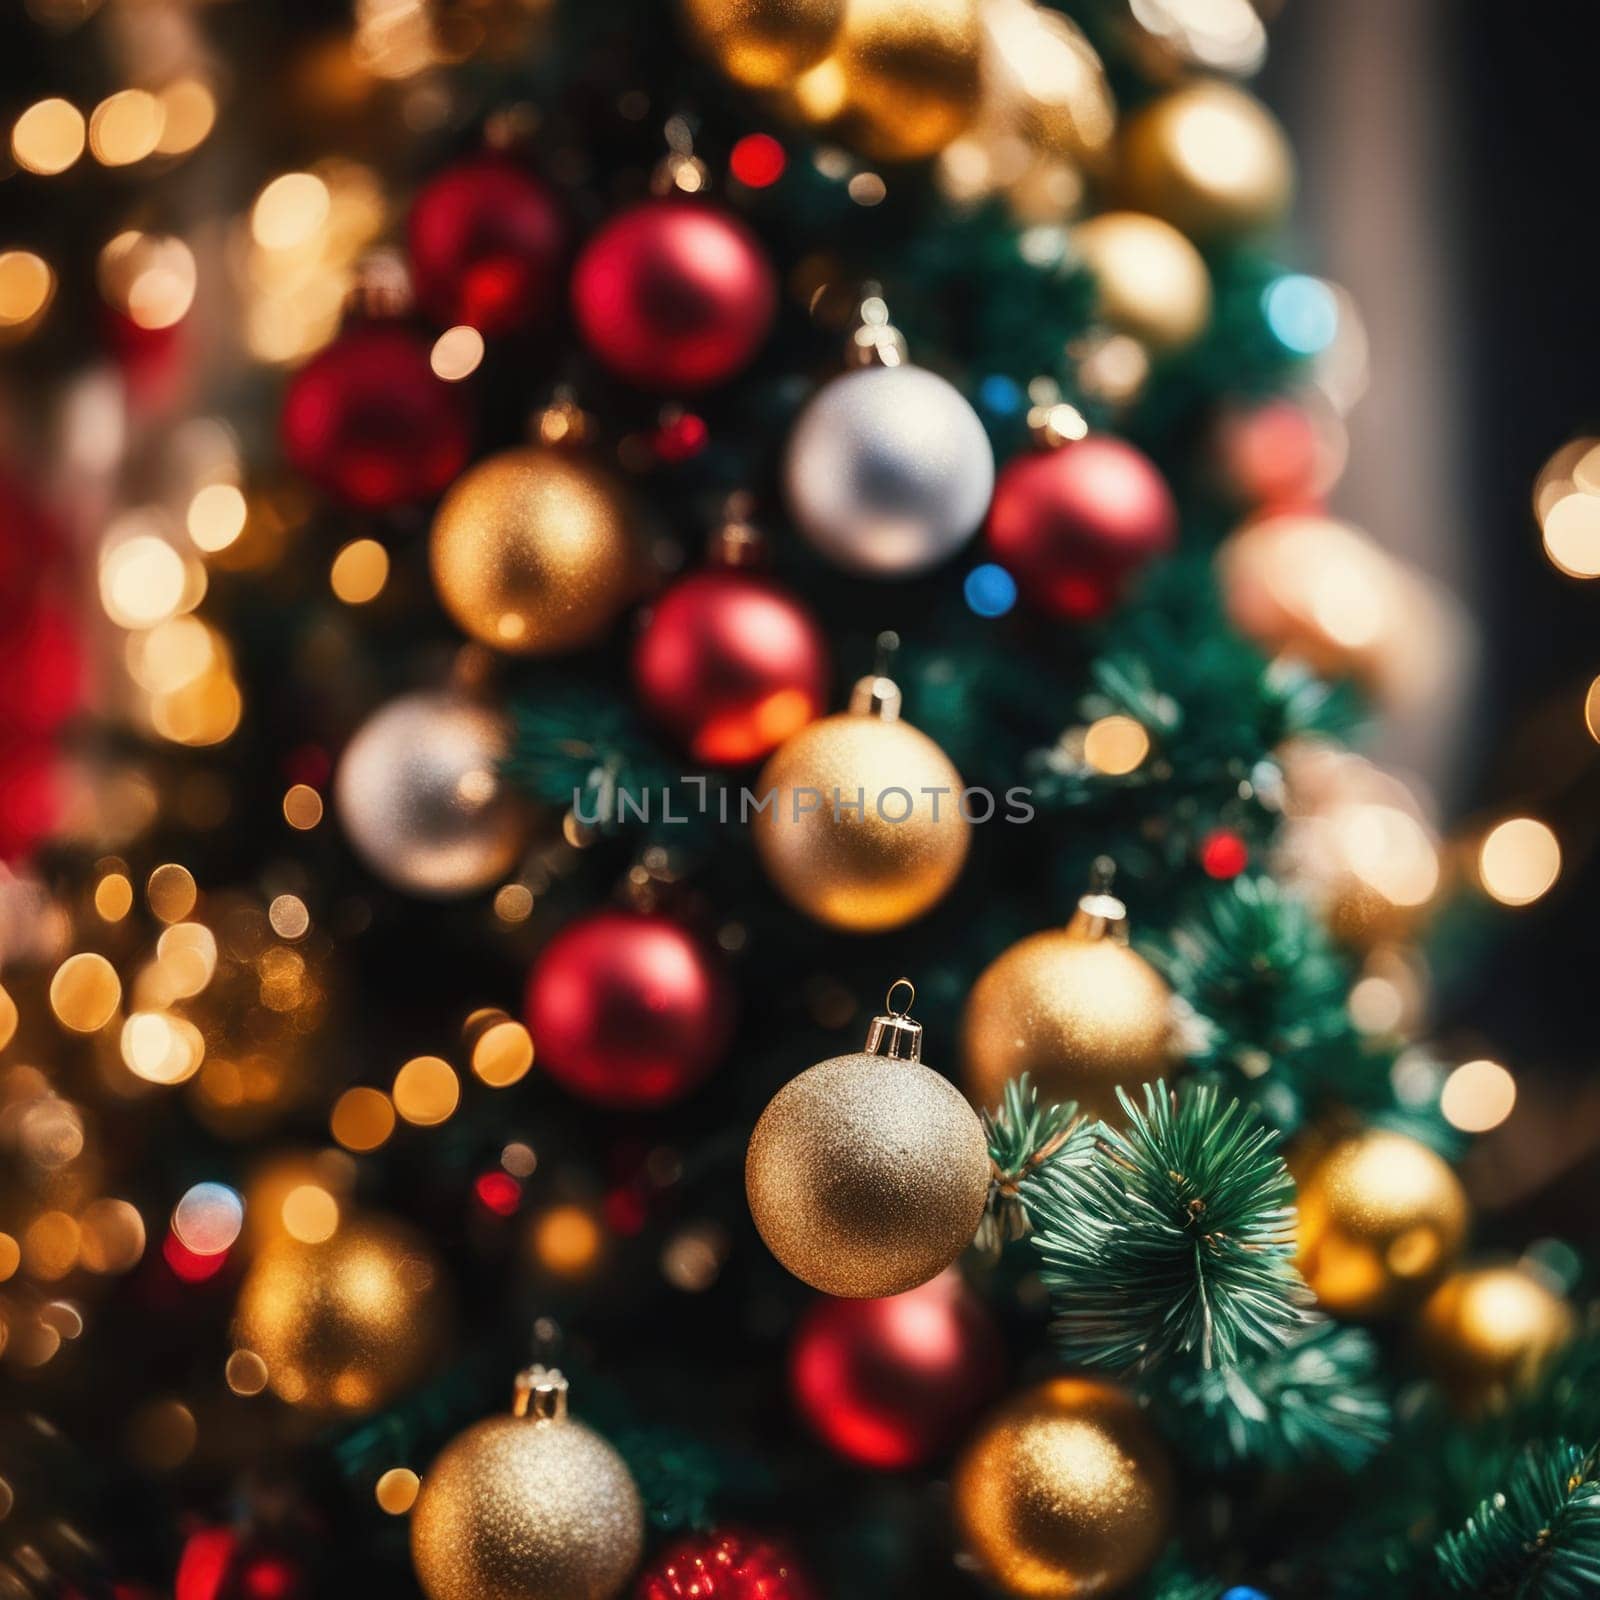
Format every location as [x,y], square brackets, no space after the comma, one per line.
[758,161]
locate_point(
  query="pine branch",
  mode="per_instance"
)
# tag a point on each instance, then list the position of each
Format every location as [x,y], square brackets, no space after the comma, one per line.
[1538,1538]
[1316,1399]
[1023,1139]
[1178,1237]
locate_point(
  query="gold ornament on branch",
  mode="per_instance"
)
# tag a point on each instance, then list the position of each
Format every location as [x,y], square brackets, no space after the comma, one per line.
[868,1174]
[1381,1218]
[1065,1493]
[1150,282]
[763,44]
[901,80]
[1210,159]
[530,1506]
[864,828]
[345,1325]
[1074,1007]
[532,551]
[1488,1332]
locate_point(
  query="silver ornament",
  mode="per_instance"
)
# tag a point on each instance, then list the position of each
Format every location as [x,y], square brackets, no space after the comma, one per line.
[421,798]
[889,471]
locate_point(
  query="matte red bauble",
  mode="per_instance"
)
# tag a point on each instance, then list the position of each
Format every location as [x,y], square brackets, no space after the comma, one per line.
[487,242]
[730,666]
[674,294]
[892,1383]
[628,1009]
[41,669]
[31,794]
[724,1566]
[1073,524]
[368,421]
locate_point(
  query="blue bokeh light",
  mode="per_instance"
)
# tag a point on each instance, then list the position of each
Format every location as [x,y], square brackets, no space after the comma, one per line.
[1000,396]
[991,591]
[1302,312]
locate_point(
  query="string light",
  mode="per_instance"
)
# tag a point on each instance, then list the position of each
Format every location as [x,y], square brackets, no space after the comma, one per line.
[359,572]
[1478,1096]
[125,127]
[48,137]
[1116,745]
[27,286]
[457,353]
[362,1119]
[426,1091]
[1519,861]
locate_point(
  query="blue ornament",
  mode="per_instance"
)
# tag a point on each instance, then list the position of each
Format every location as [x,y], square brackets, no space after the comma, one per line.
[991,591]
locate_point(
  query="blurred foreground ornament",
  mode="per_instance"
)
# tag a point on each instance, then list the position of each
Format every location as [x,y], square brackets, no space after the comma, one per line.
[1381,1218]
[724,1566]
[487,243]
[868,1174]
[674,294]
[420,795]
[1065,1492]
[863,827]
[1042,78]
[763,44]
[901,81]
[892,1383]
[888,471]
[629,1009]
[1208,158]
[345,1325]
[731,665]
[1488,1332]
[1322,592]
[368,421]
[530,1506]
[1074,523]
[532,550]
[1150,282]
[1076,1008]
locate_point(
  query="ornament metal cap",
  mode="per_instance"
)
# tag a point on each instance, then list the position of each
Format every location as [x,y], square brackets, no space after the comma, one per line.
[540,1393]
[895,1034]
[1099,914]
[876,696]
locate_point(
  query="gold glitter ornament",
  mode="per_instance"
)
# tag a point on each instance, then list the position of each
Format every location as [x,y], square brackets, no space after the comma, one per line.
[1064,1492]
[531,551]
[1488,1332]
[1210,159]
[864,828]
[868,1174]
[1150,282]
[345,1325]
[530,1506]
[1044,81]
[1075,1008]
[901,81]
[763,44]
[1381,1217]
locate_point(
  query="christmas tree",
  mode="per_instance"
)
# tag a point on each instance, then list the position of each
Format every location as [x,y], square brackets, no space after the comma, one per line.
[720,932]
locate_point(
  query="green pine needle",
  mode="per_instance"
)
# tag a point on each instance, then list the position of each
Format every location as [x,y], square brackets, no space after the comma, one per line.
[1024,1137]
[1177,1238]
[1538,1538]
[1316,1399]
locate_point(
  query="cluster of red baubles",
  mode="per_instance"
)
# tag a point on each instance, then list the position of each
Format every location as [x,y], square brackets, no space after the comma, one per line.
[724,1566]
[41,669]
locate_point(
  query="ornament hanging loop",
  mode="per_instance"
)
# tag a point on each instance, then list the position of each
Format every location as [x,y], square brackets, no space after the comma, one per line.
[895,1034]
[875,341]
[540,1394]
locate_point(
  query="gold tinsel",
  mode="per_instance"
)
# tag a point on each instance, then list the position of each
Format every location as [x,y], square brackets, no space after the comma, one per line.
[531,551]
[1065,1492]
[1381,1217]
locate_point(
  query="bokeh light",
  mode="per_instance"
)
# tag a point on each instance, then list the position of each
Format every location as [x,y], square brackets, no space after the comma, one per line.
[48,137]
[1519,861]
[1478,1096]
[426,1091]
[1116,745]
[208,1219]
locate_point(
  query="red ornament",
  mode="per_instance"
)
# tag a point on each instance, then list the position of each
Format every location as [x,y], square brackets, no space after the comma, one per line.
[487,243]
[628,1009]
[724,1566]
[369,422]
[730,665]
[892,1383]
[674,294]
[1223,854]
[1073,524]
[31,794]
[220,1564]
[1275,457]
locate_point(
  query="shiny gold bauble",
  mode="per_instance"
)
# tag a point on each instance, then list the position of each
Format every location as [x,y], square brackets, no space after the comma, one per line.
[867,869]
[868,1174]
[1489,1332]
[1065,1492]
[1044,82]
[1073,1007]
[531,551]
[346,1325]
[763,44]
[530,1506]
[1381,1217]
[1151,283]
[901,80]
[1210,159]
